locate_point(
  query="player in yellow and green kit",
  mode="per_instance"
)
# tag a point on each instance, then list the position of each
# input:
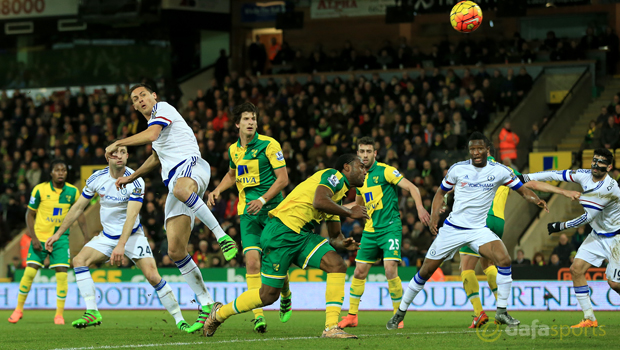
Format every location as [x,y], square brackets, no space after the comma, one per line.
[495,222]
[49,204]
[257,166]
[383,233]
[289,238]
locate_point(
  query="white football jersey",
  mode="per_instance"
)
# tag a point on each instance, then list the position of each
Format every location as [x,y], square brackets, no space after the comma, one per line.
[474,190]
[176,142]
[599,199]
[113,212]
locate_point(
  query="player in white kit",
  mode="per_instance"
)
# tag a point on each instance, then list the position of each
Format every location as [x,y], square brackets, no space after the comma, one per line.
[602,210]
[187,176]
[122,234]
[475,182]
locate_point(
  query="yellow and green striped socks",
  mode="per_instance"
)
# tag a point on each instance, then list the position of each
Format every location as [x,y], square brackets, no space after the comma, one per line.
[254,282]
[355,294]
[472,288]
[61,292]
[395,286]
[334,296]
[24,287]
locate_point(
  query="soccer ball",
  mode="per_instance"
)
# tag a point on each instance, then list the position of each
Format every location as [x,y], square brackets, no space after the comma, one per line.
[466,16]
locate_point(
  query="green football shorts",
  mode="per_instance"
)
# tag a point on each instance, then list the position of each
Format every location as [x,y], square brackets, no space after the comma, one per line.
[60,255]
[496,225]
[252,227]
[376,244]
[283,247]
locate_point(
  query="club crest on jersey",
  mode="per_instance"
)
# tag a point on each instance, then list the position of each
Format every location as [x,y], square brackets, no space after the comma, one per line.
[432,252]
[68,198]
[254,153]
[491,178]
[375,179]
[276,267]
[124,191]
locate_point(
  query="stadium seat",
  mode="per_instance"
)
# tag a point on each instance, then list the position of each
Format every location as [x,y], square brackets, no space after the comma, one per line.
[586,158]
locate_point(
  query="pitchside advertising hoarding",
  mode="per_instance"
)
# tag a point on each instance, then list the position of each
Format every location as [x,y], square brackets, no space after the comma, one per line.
[436,296]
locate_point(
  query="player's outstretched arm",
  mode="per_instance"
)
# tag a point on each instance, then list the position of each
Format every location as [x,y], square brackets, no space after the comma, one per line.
[436,209]
[531,197]
[76,212]
[227,182]
[133,209]
[545,187]
[415,194]
[149,165]
[336,238]
[142,138]
[277,187]
[552,175]
[323,202]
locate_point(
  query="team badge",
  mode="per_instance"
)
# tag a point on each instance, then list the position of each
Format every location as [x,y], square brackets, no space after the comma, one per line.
[396,253]
[491,178]
[375,179]
[68,198]
[123,191]
[254,153]
[276,267]
[432,252]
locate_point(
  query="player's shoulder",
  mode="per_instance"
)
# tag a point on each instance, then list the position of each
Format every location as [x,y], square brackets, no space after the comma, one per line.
[97,175]
[495,166]
[70,186]
[40,187]
[331,175]
[459,165]
[268,140]
[163,107]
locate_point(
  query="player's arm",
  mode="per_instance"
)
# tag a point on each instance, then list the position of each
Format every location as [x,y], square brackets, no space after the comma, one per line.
[142,138]
[277,187]
[592,211]
[133,209]
[227,182]
[436,208]
[415,194]
[150,164]
[336,238]
[323,202]
[30,218]
[545,187]
[531,197]
[76,213]
[553,175]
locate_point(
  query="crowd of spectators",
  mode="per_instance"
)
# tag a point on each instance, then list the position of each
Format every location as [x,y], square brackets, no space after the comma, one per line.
[562,255]
[284,59]
[605,130]
[420,125]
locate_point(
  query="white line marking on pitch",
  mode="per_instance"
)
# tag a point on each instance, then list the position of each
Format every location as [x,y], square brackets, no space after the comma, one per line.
[245,341]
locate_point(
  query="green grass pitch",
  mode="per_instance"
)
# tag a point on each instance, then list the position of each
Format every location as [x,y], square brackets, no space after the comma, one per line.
[427,330]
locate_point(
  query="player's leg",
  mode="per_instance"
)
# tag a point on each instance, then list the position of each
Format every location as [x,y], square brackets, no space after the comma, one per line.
[60,261]
[34,262]
[162,288]
[447,242]
[389,244]
[469,259]
[178,230]
[283,246]
[366,256]
[94,252]
[496,225]
[250,240]
[189,191]
[336,269]
[356,291]
[495,250]
[592,252]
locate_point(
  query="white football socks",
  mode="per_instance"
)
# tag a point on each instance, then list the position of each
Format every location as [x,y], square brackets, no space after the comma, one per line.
[166,296]
[504,285]
[193,277]
[86,286]
[198,206]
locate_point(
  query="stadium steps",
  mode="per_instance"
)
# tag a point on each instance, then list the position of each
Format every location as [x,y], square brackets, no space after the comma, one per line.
[574,140]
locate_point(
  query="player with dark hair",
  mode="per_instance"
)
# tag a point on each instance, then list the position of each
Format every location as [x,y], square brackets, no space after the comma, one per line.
[289,238]
[600,201]
[475,183]
[186,175]
[383,233]
[48,206]
[258,168]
